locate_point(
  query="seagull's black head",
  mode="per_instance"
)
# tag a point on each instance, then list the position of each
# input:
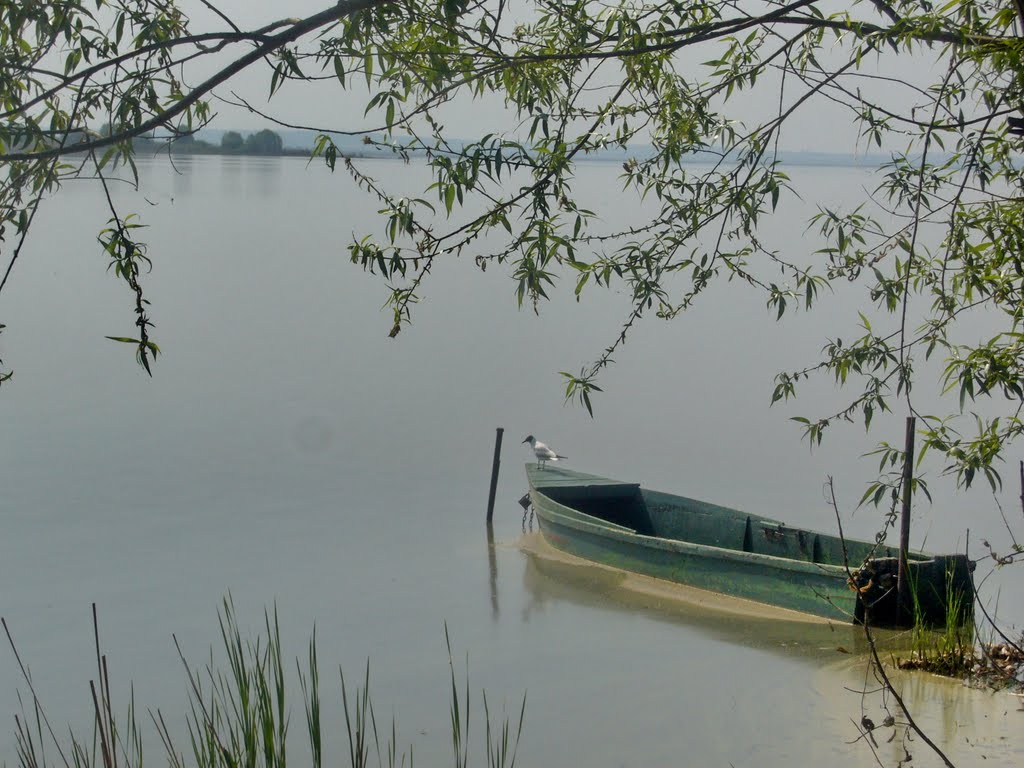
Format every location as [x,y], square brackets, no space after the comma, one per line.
[529,439]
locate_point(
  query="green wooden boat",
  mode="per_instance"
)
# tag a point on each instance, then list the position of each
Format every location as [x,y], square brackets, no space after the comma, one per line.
[745,555]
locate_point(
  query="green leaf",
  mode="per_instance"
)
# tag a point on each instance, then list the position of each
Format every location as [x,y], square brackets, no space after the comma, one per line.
[586,402]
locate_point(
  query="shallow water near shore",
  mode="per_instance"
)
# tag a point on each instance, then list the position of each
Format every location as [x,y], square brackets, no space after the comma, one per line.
[972,726]
[287,453]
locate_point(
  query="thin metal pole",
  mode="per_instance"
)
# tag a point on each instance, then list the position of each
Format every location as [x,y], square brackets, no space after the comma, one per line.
[494,474]
[902,585]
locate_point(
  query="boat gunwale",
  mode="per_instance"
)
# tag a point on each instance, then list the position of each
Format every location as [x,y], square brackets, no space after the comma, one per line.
[598,526]
[683,547]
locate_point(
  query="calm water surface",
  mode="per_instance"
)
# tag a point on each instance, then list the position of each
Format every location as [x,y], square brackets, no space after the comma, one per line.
[287,452]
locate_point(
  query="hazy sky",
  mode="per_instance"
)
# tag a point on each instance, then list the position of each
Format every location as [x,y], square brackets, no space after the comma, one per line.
[821,126]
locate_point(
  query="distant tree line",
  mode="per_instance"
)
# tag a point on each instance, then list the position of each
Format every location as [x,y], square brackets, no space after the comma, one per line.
[264,142]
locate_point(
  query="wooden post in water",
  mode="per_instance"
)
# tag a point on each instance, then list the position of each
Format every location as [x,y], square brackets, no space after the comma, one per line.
[1022,485]
[494,474]
[902,585]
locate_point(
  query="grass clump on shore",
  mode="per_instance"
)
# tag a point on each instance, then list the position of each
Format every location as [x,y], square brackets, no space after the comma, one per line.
[238,716]
[948,650]
[955,650]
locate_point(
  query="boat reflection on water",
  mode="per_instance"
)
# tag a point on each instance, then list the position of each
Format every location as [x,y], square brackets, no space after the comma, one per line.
[820,661]
[551,575]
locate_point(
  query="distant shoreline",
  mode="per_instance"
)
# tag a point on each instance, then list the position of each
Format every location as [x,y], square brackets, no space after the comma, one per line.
[302,143]
[165,151]
[794,159]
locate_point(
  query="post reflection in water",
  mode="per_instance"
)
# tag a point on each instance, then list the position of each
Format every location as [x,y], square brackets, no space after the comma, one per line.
[492,564]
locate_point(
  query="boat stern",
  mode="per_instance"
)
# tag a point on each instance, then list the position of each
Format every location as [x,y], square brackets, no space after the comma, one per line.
[940,592]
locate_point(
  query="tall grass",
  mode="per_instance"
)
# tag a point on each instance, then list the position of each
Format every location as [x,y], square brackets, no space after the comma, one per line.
[238,715]
[111,745]
[948,650]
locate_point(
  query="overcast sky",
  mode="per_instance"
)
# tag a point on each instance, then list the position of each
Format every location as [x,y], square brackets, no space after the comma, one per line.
[822,127]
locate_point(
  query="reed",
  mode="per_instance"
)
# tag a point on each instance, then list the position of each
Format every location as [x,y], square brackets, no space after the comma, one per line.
[950,649]
[238,714]
[500,747]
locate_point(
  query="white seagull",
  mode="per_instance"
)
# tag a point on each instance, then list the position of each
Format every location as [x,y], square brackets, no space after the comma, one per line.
[542,452]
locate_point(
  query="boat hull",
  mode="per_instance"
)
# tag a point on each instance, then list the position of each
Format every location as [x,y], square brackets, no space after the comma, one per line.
[606,533]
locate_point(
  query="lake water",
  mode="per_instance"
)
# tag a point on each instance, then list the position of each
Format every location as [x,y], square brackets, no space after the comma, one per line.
[288,453]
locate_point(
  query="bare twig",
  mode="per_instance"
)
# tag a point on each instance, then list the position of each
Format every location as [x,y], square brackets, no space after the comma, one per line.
[891,689]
